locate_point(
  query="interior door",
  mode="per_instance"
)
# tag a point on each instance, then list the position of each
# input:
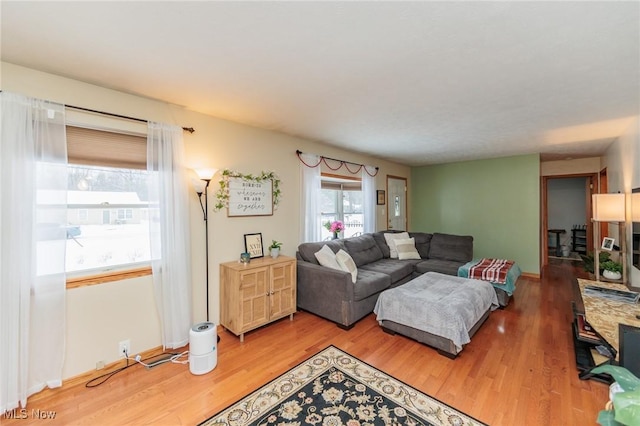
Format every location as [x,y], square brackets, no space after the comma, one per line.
[397,203]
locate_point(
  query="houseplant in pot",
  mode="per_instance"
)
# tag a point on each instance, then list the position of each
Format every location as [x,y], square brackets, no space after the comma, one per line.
[335,227]
[275,248]
[589,262]
[626,402]
[612,270]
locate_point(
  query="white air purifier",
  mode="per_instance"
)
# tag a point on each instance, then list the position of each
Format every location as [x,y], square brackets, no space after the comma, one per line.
[203,354]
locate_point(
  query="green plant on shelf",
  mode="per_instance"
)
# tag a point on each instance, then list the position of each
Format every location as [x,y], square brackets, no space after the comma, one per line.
[612,266]
[589,260]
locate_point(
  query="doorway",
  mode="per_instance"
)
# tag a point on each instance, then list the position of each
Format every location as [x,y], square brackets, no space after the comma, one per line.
[396,203]
[567,230]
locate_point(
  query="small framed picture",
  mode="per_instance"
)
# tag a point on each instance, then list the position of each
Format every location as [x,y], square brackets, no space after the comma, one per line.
[380,197]
[607,243]
[253,245]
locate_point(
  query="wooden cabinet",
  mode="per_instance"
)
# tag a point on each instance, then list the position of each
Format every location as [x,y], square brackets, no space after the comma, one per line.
[257,293]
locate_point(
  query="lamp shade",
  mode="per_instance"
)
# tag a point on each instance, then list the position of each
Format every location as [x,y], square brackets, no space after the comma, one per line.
[608,207]
[635,207]
[199,185]
[206,174]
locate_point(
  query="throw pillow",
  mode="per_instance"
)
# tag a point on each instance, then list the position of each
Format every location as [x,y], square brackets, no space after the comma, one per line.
[347,264]
[407,249]
[326,257]
[391,237]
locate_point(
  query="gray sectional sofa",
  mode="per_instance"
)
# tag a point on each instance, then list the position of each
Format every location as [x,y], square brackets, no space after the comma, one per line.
[331,294]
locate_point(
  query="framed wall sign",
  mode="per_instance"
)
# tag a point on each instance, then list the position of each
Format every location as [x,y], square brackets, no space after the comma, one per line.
[253,245]
[250,197]
[380,197]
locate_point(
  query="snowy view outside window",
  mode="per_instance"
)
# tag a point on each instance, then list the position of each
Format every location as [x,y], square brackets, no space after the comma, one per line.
[107,211]
[343,205]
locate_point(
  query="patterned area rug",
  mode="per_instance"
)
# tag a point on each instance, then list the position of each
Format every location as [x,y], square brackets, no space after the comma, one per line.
[333,388]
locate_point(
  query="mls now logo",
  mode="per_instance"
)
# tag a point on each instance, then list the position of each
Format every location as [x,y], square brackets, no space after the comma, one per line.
[16,414]
[23,413]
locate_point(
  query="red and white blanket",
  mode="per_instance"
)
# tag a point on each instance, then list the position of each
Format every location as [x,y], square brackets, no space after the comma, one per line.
[493,270]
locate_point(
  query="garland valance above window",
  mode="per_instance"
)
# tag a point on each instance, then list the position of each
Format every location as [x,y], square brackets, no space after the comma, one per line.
[323,159]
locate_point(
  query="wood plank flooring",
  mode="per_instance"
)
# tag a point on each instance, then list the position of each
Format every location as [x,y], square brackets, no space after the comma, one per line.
[519,369]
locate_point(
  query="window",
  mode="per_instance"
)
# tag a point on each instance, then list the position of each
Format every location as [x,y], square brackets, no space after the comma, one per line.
[341,199]
[125,214]
[83,215]
[107,203]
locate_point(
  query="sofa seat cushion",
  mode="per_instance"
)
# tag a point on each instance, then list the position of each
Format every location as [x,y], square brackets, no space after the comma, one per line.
[436,265]
[307,251]
[369,283]
[363,249]
[394,268]
[458,248]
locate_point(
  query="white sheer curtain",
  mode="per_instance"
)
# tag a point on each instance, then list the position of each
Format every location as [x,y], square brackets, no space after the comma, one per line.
[369,198]
[311,185]
[33,215]
[169,232]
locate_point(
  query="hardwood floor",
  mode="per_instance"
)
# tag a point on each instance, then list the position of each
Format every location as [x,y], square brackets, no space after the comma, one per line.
[519,369]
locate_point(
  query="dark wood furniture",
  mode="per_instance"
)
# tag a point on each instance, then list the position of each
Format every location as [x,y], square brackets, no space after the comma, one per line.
[557,232]
[579,240]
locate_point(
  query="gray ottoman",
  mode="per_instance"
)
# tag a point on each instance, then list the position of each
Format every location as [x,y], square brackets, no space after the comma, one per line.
[442,311]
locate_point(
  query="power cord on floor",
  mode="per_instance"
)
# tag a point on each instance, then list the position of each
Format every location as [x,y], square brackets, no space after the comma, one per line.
[174,359]
[97,381]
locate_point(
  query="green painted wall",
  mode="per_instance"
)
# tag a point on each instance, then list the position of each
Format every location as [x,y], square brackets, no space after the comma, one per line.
[497,201]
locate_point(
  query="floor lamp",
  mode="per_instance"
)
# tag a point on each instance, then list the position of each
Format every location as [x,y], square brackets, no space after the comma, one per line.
[205,176]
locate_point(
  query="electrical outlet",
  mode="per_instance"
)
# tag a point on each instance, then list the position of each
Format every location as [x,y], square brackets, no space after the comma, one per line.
[99,365]
[124,348]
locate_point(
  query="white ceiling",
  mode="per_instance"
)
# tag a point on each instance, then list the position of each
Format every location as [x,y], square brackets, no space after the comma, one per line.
[413,82]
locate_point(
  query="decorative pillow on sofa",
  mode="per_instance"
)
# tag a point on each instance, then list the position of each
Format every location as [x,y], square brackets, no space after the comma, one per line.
[326,257]
[407,249]
[347,264]
[391,238]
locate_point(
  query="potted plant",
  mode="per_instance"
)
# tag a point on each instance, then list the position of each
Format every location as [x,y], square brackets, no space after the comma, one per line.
[334,227]
[626,403]
[612,270]
[275,248]
[589,261]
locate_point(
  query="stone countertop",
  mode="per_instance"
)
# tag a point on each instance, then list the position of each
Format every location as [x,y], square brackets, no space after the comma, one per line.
[605,315]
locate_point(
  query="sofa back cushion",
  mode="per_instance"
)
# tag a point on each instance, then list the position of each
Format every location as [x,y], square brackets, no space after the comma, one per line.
[423,243]
[458,248]
[382,243]
[363,249]
[307,251]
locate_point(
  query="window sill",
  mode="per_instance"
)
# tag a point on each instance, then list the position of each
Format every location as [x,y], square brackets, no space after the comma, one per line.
[107,277]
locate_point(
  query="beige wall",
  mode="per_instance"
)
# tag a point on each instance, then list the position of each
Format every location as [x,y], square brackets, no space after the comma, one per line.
[622,161]
[570,167]
[99,317]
